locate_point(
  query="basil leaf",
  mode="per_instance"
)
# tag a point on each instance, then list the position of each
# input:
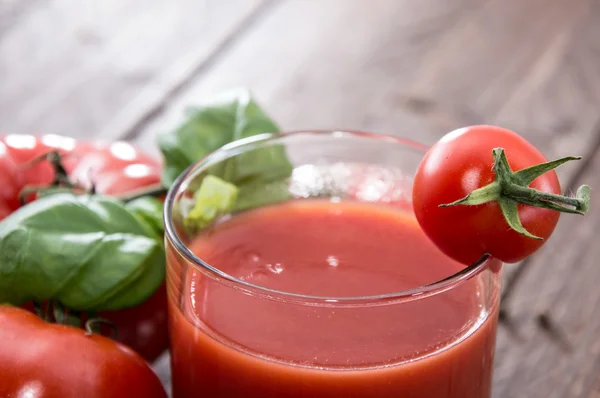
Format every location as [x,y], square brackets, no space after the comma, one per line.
[209,127]
[260,174]
[261,193]
[89,253]
[150,211]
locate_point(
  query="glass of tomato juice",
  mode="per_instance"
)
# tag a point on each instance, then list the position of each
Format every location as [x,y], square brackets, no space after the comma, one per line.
[319,282]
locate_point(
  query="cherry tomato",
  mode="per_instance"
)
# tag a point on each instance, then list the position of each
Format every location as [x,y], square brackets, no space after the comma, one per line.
[112,169]
[458,164]
[38,359]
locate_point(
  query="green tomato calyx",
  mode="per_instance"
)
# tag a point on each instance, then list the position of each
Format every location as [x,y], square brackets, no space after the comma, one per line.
[511,188]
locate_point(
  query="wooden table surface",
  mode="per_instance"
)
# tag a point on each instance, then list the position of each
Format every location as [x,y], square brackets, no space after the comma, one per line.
[126,69]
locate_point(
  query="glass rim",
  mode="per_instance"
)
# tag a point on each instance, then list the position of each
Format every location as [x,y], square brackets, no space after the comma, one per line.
[224,278]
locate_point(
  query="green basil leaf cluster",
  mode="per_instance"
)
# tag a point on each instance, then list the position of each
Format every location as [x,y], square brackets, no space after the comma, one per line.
[207,128]
[261,175]
[88,253]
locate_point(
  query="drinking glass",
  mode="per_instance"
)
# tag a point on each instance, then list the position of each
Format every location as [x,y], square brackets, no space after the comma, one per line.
[431,341]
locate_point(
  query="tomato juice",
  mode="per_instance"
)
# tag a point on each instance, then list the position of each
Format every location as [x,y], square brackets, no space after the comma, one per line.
[229,342]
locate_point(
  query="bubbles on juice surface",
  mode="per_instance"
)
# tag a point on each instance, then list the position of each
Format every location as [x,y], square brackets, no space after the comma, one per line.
[333,261]
[255,269]
[275,268]
[252,268]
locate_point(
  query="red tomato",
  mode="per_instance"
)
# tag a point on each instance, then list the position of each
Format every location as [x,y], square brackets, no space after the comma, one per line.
[115,168]
[457,165]
[11,183]
[143,328]
[38,359]
[112,168]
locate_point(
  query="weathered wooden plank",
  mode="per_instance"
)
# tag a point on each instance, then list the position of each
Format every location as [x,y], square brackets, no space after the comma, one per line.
[11,12]
[331,64]
[72,67]
[558,95]
[512,64]
[417,69]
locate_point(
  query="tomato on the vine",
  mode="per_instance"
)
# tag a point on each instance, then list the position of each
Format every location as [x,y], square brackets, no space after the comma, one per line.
[485,189]
[111,169]
[143,328]
[38,359]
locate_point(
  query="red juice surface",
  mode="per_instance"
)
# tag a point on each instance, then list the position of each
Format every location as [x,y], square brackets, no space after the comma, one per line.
[226,343]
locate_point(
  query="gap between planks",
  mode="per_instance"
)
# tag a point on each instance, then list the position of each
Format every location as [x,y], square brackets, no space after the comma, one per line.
[152,100]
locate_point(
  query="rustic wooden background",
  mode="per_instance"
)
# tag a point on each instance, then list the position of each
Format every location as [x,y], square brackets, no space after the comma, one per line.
[126,69]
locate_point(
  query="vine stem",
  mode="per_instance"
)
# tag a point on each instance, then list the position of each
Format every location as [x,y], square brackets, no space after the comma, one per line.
[97,322]
[155,190]
[61,180]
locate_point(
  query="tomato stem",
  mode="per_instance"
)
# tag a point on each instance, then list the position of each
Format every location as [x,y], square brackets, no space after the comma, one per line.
[59,180]
[155,190]
[61,176]
[94,324]
[44,310]
[512,188]
[38,307]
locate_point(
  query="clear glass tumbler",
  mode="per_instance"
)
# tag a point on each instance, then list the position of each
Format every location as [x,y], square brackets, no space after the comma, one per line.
[231,337]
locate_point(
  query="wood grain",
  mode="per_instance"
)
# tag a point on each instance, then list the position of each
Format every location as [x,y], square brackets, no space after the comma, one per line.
[78,68]
[417,69]
[11,12]
[330,64]
[412,68]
